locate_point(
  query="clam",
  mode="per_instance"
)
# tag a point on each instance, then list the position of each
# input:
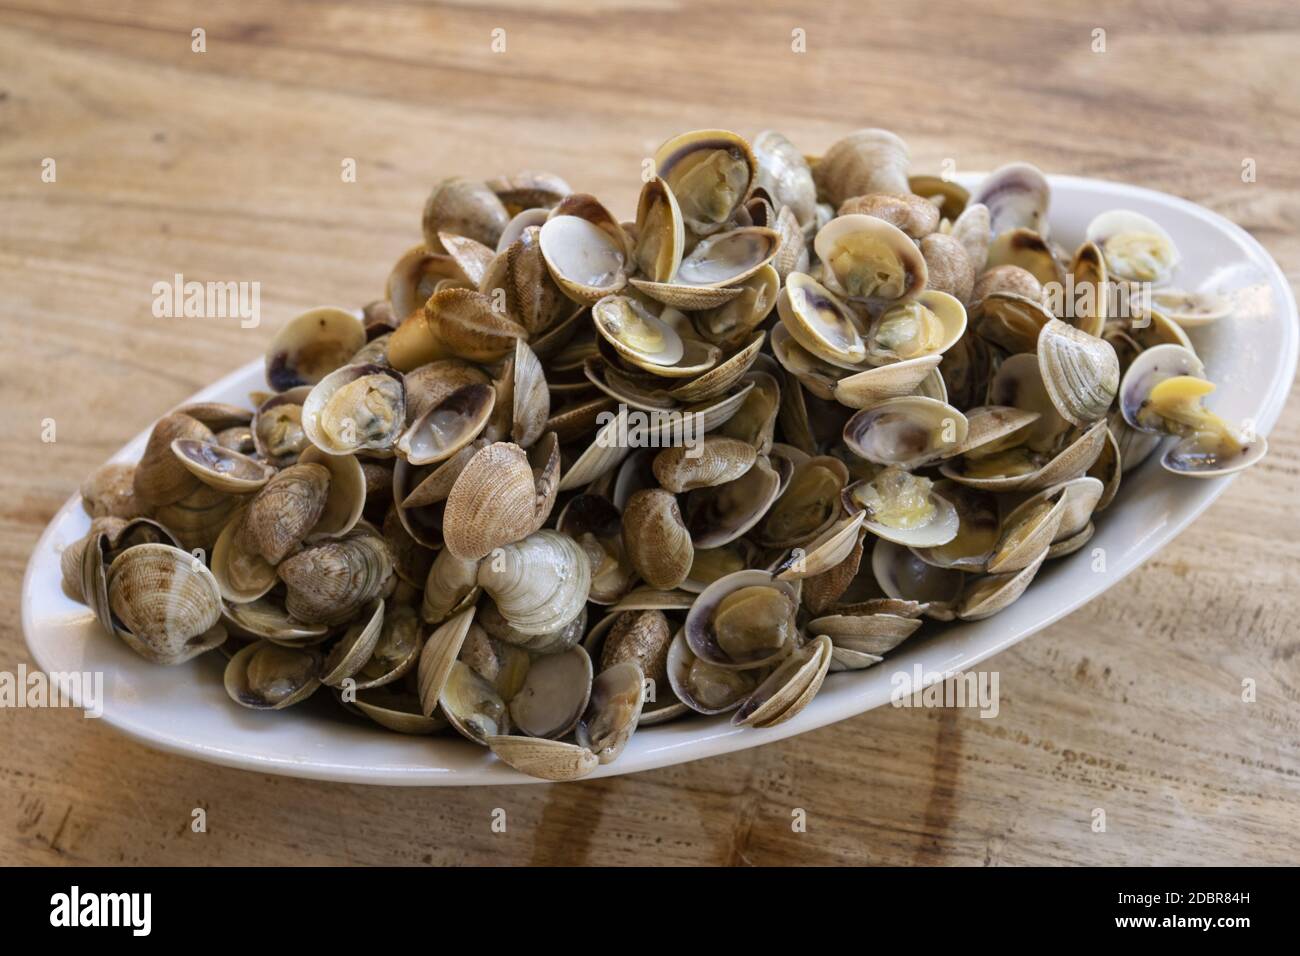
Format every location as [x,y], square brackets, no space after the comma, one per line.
[973,230]
[1011,279]
[160,477]
[278,437]
[1091,284]
[501,496]
[448,426]
[719,514]
[789,688]
[1030,251]
[867,161]
[1017,196]
[660,232]
[914,215]
[415,276]
[1080,371]
[928,325]
[908,432]
[539,584]
[743,621]
[327,583]
[948,195]
[821,323]
[1136,247]
[438,657]
[596,524]
[267,619]
[618,695]
[311,346]
[710,171]
[1191,310]
[988,595]
[904,576]
[455,323]
[948,266]
[641,637]
[529,190]
[807,506]
[785,175]
[220,468]
[463,207]
[242,574]
[284,512]
[728,258]
[714,461]
[978,527]
[867,258]
[1011,322]
[903,508]
[266,676]
[704,687]
[504,665]
[451,586]
[732,323]
[350,653]
[110,491]
[655,538]
[544,759]
[357,408]
[584,260]
[472,705]
[1163,391]
[874,385]
[554,694]
[166,602]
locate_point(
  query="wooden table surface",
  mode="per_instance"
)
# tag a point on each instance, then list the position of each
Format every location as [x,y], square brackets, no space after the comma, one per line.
[225,165]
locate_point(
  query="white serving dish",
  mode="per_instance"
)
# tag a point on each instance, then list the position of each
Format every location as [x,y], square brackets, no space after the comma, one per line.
[184,710]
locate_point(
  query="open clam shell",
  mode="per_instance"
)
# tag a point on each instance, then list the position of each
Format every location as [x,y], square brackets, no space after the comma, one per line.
[743,621]
[546,759]
[220,468]
[868,259]
[618,696]
[267,676]
[704,687]
[908,432]
[789,688]
[312,345]
[728,258]
[711,172]
[903,508]
[554,695]
[448,426]
[821,323]
[356,408]
[585,260]
[1017,196]
[1136,247]
[928,325]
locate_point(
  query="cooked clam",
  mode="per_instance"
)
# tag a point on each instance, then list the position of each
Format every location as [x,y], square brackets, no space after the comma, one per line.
[1136,247]
[867,258]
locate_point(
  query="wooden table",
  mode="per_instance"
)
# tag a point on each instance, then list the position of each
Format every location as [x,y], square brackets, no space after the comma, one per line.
[225,165]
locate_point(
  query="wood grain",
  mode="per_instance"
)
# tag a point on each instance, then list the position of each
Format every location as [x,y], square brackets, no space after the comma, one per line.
[226,165]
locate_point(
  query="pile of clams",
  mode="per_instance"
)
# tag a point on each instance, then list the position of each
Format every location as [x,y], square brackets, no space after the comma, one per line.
[575,475]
